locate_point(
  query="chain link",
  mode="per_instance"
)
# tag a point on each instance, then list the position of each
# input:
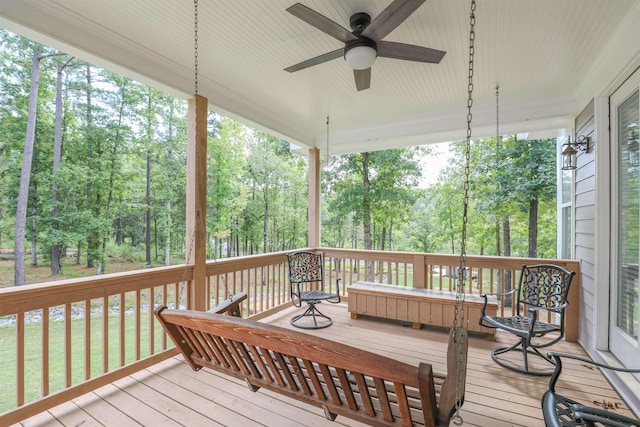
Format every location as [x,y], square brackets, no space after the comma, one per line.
[459,311]
[327,156]
[497,113]
[195,44]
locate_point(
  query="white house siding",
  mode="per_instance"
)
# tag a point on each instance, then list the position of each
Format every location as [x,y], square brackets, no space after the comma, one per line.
[584,225]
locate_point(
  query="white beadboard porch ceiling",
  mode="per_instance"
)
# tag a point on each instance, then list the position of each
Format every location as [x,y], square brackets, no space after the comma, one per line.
[546,55]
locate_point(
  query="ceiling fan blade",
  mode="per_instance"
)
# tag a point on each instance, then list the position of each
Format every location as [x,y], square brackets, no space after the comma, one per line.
[410,52]
[321,22]
[363,78]
[392,16]
[325,57]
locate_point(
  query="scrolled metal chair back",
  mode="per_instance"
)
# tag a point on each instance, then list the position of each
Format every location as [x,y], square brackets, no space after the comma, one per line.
[305,267]
[545,285]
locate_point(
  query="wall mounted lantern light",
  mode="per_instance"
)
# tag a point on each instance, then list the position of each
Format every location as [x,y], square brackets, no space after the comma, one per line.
[570,151]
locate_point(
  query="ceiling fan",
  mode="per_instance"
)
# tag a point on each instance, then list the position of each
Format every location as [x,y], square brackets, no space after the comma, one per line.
[364,43]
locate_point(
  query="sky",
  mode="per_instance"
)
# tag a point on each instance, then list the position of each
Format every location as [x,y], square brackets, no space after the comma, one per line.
[434,163]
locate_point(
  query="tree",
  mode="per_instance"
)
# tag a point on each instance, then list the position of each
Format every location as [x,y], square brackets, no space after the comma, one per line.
[535,181]
[25,174]
[57,159]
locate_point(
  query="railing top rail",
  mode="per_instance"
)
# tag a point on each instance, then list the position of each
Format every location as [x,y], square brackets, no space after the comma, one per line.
[41,295]
[485,261]
[38,296]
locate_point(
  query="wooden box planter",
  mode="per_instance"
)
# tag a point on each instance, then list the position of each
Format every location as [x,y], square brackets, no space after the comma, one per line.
[418,306]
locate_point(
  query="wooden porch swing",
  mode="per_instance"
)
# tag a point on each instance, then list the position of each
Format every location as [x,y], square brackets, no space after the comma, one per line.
[341,379]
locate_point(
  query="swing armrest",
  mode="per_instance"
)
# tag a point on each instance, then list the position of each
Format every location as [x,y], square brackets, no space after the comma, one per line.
[230,306]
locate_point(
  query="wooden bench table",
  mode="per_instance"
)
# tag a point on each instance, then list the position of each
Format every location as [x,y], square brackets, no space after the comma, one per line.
[418,306]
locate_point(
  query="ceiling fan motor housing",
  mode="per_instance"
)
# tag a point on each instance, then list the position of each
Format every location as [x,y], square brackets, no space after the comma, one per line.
[359,21]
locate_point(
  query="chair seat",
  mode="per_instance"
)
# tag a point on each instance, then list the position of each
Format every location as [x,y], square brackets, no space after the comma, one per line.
[316,295]
[560,411]
[519,325]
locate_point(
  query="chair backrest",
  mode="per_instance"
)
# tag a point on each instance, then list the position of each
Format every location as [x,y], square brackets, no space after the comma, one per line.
[305,267]
[544,285]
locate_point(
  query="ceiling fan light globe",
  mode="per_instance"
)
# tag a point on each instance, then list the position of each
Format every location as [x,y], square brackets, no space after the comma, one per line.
[360,57]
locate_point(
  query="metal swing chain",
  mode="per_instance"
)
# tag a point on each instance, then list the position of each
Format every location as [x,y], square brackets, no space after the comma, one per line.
[497,113]
[197,224]
[327,156]
[195,45]
[459,314]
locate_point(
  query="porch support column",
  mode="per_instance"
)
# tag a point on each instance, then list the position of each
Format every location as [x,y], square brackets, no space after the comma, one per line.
[196,200]
[313,225]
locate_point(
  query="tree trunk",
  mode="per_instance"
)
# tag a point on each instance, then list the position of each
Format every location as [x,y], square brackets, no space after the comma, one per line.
[366,213]
[148,211]
[498,249]
[451,233]
[533,228]
[168,225]
[167,236]
[34,252]
[78,252]
[148,191]
[265,221]
[25,173]
[93,237]
[57,159]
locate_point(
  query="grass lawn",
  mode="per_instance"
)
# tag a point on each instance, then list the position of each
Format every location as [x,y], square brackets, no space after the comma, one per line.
[70,270]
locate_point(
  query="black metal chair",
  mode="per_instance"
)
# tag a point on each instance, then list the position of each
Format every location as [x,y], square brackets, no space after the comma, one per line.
[560,411]
[541,287]
[305,270]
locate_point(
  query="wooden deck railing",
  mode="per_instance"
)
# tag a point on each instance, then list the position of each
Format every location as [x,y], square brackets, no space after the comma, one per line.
[62,339]
[486,274]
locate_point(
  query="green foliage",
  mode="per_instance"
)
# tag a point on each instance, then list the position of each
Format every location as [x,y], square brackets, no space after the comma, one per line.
[373,189]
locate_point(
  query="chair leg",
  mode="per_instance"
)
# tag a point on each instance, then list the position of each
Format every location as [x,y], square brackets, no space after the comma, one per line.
[526,350]
[313,312]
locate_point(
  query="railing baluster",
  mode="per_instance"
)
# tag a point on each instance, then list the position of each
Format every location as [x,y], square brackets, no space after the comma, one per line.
[105,334]
[67,344]
[87,339]
[150,317]
[20,356]
[137,325]
[255,294]
[45,351]
[122,326]
[165,290]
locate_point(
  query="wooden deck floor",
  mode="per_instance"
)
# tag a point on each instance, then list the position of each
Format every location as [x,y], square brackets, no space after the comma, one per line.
[171,394]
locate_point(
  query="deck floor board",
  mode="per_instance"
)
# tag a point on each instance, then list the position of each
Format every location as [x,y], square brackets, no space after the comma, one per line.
[171,394]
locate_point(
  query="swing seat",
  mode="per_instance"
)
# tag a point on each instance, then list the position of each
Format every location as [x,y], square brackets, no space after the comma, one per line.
[541,287]
[340,379]
[561,411]
[306,268]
